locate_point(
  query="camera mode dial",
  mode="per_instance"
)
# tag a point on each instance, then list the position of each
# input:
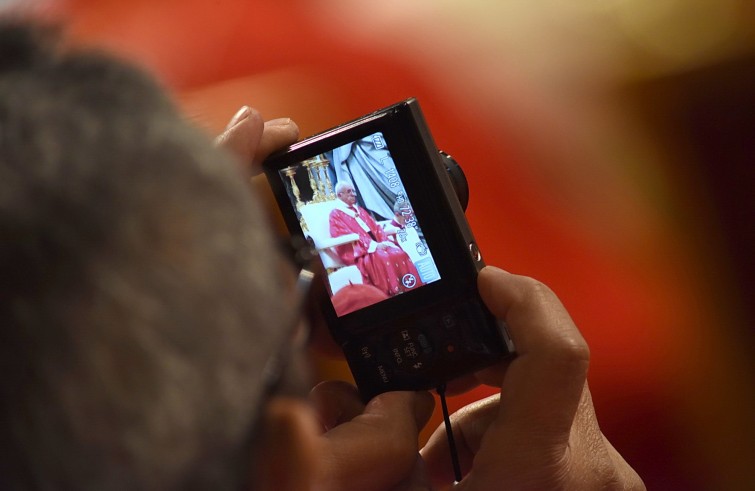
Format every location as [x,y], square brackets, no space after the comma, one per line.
[458,179]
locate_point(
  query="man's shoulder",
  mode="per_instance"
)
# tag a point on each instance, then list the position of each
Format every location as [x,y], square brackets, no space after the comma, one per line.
[338,215]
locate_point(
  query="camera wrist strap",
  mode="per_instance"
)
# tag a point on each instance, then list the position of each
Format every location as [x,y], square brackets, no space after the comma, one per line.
[441,390]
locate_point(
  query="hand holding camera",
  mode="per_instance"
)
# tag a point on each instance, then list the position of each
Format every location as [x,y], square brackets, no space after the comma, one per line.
[540,433]
[375,198]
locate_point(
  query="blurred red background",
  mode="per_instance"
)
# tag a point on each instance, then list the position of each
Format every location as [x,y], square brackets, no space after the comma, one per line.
[608,149]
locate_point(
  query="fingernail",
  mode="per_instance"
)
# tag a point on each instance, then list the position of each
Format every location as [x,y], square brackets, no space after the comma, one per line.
[279,122]
[240,115]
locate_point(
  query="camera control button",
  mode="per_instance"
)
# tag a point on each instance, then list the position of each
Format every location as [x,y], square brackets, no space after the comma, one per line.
[427,348]
[410,350]
[365,352]
[398,356]
[384,375]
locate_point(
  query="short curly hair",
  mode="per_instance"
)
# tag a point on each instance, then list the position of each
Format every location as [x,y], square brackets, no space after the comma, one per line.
[137,294]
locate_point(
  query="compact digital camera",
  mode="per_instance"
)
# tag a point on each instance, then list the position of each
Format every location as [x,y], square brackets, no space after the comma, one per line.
[382,207]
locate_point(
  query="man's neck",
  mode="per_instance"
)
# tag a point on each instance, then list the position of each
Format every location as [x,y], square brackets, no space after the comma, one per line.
[342,205]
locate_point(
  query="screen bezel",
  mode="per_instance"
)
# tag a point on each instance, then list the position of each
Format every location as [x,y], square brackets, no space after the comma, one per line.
[418,163]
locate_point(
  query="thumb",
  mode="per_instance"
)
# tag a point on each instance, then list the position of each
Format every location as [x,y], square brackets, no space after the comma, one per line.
[411,410]
[378,448]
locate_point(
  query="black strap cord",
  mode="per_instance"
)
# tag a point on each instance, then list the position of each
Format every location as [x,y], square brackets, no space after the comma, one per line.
[441,390]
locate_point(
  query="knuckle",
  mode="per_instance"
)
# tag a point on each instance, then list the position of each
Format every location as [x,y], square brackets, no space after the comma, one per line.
[573,346]
[564,341]
[570,354]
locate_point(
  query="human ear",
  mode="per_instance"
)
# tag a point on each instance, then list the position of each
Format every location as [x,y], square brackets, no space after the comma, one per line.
[285,456]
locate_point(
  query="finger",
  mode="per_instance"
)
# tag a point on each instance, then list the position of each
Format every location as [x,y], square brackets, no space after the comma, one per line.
[592,451]
[377,449]
[336,402]
[625,472]
[461,384]
[492,376]
[469,424]
[543,383]
[252,140]
[240,115]
[242,136]
[277,134]
[417,480]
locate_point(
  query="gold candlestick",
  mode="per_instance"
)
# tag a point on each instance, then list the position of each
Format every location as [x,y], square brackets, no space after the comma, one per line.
[291,172]
[316,195]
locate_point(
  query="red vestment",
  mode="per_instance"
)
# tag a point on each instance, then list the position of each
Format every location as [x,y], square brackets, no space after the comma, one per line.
[389,269]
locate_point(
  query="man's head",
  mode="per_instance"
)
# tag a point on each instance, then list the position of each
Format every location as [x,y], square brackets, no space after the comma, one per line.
[346,193]
[398,214]
[138,297]
[401,211]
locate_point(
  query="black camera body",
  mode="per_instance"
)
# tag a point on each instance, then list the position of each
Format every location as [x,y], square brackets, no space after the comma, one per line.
[376,199]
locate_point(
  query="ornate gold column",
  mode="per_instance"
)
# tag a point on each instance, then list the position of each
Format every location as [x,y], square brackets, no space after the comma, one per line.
[319,179]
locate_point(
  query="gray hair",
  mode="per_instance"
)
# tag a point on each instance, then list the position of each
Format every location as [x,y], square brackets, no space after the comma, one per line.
[140,300]
[341,185]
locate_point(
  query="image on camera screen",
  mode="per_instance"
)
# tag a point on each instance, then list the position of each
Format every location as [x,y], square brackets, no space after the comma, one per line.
[351,203]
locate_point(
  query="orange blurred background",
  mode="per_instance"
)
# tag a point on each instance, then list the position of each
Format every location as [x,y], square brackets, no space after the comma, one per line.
[609,148]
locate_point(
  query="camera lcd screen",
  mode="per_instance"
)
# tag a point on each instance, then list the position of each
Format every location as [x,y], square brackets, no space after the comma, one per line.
[352,204]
